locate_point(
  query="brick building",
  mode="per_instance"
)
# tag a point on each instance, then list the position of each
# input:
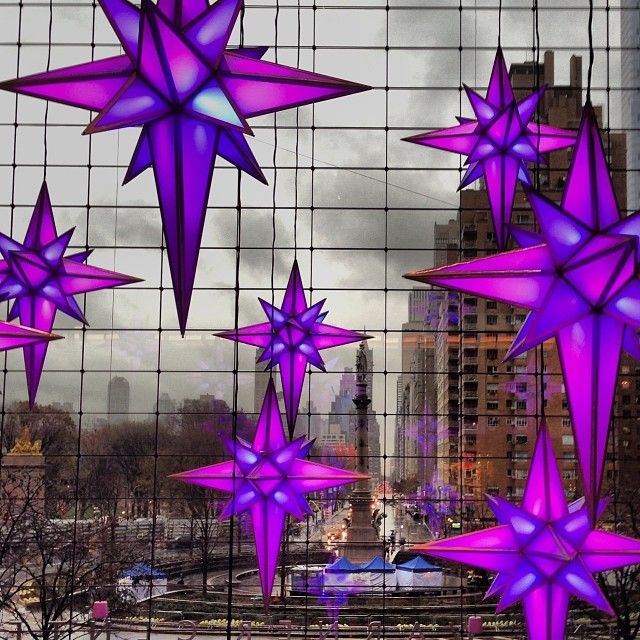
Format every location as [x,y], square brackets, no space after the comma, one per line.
[488,410]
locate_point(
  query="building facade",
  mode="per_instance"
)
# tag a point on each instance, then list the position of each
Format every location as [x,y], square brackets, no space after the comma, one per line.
[489,410]
[630,71]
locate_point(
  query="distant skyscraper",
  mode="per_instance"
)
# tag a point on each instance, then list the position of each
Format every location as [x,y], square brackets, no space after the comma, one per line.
[342,404]
[118,396]
[167,408]
[416,390]
[630,71]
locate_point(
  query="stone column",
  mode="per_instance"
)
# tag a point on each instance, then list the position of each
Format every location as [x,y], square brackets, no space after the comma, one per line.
[362,540]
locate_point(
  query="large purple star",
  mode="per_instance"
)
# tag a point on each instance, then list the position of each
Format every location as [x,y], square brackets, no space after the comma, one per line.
[191,97]
[543,551]
[293,338]
[499,143]
[581,283]
[268,478]
[41,280]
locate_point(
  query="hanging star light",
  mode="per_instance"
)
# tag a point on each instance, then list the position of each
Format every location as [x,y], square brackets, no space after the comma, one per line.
[41,280]
[499,143]
[580,281]
[192,98]
[293,338]
[543,551]
[268,478]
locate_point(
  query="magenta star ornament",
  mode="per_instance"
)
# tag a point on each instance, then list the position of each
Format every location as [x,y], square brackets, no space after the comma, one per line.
[268,478]
[580,281]
[499,143]
[543,552]
[41,280]
[292,338]
[192,97]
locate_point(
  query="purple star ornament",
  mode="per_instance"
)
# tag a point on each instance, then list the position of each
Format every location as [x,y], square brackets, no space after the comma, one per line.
[191,96]
[580,281]
[499,143]
[41,280]
[543,551]
[268,478]
[292,338]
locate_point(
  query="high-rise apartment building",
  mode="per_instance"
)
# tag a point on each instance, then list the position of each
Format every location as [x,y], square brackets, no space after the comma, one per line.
[630,71]
[488,410]
[414,451]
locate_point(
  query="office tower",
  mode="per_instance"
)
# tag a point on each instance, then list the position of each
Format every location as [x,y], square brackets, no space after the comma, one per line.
[118,396]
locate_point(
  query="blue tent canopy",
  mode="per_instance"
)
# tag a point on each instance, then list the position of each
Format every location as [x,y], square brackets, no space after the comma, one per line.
[377,564]
[418,565]
[142,570]
[342,565]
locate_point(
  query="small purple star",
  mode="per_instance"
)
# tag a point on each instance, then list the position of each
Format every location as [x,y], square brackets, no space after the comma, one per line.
[293,338]
[268,478]
[499,143]
[41,280]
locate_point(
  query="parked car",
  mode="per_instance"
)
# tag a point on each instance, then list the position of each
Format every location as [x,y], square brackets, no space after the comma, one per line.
[181,542]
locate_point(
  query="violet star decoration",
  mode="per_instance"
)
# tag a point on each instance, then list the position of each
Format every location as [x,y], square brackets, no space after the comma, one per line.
[268,478]
[499,143]
[192,98]
[543,551]
[292,338]
[41,280]
[580,281]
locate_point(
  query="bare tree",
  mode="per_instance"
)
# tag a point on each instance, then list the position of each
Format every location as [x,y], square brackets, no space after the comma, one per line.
[206,529]
[58,563]
[622,586]
[19,499]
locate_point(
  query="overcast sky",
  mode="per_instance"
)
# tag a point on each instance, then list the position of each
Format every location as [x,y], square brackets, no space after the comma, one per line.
[418,190]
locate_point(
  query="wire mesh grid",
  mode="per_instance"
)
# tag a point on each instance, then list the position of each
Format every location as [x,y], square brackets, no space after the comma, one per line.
[126,400]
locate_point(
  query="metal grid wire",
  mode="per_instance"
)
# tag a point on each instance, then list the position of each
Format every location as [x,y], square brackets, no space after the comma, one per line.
[346,198]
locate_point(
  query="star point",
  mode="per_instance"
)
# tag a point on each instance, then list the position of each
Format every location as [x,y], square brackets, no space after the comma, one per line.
[268,478]
[579,280]
[192,96]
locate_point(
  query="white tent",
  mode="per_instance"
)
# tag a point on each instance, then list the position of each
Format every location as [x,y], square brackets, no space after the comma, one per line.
[417,574]
[378,574]
[142,581]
